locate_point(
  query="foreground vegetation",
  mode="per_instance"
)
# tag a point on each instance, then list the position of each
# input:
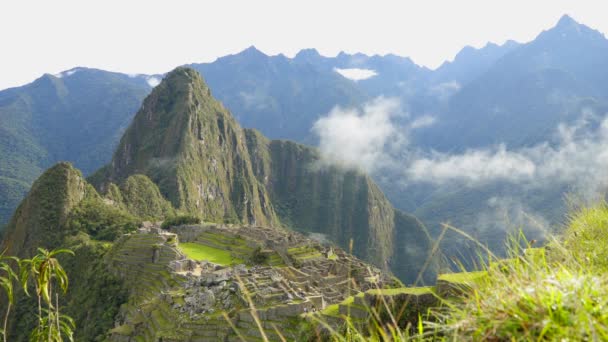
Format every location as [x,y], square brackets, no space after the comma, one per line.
[557,293]
[45,274]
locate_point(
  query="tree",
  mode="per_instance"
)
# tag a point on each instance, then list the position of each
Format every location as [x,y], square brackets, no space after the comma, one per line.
[46,273]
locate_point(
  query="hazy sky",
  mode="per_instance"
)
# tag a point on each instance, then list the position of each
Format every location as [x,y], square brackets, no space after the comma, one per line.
[155,36]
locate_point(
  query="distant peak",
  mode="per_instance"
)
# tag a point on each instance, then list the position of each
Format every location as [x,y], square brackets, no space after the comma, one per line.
[568,27]
[252,50]
[307,53]
[566,21]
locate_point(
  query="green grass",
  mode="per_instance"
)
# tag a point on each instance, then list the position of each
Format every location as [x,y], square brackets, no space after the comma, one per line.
[416,291]
[463,277]
[560,293]
[200,252]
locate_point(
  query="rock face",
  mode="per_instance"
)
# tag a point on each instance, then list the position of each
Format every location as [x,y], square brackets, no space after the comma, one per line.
[187,143]
[340,204]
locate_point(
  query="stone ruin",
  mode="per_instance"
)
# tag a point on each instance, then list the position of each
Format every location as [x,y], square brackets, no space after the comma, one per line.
[300,276]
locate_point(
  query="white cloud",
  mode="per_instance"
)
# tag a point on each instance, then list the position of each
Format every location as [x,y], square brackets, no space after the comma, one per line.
[579,158]
[153,81]
[423,121]
[473,166]
[361,139]
[356,74]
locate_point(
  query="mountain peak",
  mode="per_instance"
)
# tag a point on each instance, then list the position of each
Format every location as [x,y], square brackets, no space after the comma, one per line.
[182,77]
[566,21]
[307,53]
[568,28]
[252,51]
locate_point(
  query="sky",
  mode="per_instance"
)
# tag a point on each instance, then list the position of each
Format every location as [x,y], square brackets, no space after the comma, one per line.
[135,36]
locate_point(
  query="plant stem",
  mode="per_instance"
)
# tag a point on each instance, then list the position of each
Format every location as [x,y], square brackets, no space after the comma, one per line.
[57,314]
[50,324]
[8,311]
[39,313]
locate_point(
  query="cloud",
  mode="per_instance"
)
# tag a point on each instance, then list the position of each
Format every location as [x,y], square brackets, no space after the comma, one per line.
[578,157]
[473,166]
[356,74]
[153,81]
[361,139]
[444,90]
[67,73]
[423,121]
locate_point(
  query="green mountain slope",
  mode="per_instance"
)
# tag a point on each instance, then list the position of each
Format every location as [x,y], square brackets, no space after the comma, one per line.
[39,219]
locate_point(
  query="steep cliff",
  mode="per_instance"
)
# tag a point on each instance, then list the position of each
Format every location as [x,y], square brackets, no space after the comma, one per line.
[341,204]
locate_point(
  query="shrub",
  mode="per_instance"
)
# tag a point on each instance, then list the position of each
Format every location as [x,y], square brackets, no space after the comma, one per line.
[180,220]
[101,221]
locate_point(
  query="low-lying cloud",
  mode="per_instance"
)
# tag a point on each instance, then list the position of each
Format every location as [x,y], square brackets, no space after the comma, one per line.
[356,74]
[153,81]
[361,139]
[579,156]
[375,138]
[473,166]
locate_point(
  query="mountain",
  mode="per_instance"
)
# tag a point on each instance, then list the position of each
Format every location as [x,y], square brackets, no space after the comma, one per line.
[522,98]
[190,145]
[77,115]
[277,95]
[470,62]
[205,164]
